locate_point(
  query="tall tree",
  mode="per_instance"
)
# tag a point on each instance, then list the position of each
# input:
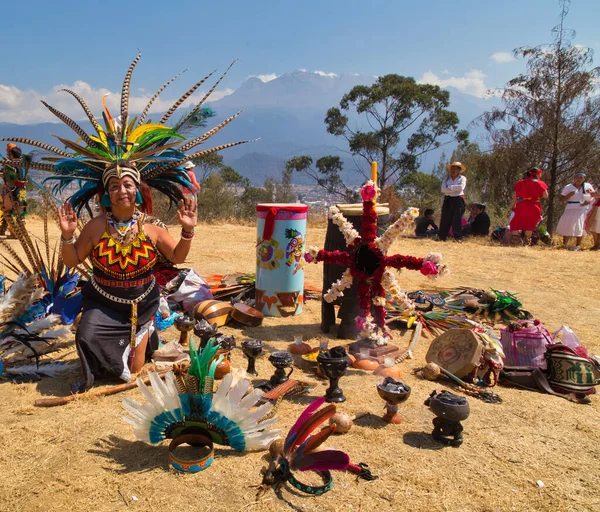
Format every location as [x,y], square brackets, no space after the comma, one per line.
[284,192]
[551,113]
[207,165]
[326,173]
[405,120]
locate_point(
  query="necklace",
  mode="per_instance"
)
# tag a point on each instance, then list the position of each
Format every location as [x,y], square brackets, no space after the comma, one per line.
[122,228]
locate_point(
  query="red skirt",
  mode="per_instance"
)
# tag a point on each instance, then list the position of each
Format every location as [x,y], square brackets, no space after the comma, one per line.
[527,215]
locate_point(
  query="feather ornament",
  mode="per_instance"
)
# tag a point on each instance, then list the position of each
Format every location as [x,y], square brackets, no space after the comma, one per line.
[299,452]
[184,97]
[193,143]
[125,92]
[195,110]
[227,417]
[70,123]
[144,113]
[37,144]
[85,108]
[151,147]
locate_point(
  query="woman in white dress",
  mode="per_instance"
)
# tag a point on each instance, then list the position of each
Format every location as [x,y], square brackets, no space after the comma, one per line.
[578,197]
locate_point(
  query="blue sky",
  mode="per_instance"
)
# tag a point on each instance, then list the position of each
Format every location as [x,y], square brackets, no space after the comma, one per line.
[88,46]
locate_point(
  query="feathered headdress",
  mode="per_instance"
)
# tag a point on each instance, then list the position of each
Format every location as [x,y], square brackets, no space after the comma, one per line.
[153,153]
[300,453]
[185,409]
[21,336]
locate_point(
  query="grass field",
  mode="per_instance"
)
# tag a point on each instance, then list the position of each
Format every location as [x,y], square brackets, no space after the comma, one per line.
[82,456]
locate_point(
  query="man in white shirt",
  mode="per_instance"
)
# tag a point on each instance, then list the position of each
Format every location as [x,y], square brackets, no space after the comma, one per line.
[453,207]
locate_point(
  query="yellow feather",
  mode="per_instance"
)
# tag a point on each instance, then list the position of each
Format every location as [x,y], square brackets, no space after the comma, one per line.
[140,131]
[102,135]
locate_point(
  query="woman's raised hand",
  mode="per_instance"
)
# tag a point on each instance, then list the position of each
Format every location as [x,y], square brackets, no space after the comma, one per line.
[68,220]
[187,213]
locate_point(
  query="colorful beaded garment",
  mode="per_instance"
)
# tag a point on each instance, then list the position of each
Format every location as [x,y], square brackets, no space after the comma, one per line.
[124,262]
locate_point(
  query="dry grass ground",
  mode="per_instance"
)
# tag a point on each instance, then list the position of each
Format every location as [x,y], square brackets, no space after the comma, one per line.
[83,457]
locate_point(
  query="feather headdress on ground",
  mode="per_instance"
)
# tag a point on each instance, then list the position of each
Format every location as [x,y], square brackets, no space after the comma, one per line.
[151,153]
[21,336]
[300,453]
[186,410]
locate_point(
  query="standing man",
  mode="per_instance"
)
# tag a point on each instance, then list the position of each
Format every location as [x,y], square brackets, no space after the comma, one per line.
[453,207]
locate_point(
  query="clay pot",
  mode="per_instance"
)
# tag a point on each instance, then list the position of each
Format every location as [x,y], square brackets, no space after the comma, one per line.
[224,367]
[300,348]
[385,371]
[365,364]
[449,406]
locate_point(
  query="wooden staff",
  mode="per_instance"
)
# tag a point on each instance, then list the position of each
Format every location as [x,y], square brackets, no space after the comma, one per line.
[113,390]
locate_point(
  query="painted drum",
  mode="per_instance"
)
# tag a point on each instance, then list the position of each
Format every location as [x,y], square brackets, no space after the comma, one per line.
[281,243]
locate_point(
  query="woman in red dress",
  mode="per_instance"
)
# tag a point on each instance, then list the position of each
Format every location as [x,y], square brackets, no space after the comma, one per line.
[526,203]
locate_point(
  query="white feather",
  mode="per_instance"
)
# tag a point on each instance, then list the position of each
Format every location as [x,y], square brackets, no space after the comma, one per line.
[62,332]
[41,324]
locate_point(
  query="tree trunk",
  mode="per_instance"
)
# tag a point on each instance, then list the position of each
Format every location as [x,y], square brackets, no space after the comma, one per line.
[552,193]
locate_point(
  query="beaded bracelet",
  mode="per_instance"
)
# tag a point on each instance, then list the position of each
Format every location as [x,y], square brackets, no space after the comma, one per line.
[187,235]
[70,241]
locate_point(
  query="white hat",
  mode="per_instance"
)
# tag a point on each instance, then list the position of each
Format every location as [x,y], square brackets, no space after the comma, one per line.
[189,165]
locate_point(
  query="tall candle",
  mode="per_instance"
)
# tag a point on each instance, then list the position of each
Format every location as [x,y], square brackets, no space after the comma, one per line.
[374,179]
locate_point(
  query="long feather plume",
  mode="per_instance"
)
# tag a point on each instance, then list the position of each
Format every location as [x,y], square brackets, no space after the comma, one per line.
[71,124]
[38,144]
[125,91]
[206,96]
[85,108]
[307,427]
[42,166]
[316,440]
[156,94]
[185,96]
[16,228]
[306,414]
[189,145]
[15,257]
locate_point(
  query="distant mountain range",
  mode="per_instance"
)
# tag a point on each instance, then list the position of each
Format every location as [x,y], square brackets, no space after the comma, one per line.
[288,114]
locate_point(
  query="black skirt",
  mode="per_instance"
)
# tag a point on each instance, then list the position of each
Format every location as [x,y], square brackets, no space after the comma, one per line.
[104,332]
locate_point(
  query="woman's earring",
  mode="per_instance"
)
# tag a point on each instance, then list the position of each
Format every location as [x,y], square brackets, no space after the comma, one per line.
[105,200]
[138,198]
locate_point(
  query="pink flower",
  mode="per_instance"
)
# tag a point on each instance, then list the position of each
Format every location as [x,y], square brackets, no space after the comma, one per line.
[308,258]
[360,323]
[428,268]
[368,192]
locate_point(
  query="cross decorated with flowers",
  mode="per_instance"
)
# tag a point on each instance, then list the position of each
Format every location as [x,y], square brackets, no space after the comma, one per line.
[367,261]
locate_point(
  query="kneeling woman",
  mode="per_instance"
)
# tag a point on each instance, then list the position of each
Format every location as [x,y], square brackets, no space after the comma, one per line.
[116,333]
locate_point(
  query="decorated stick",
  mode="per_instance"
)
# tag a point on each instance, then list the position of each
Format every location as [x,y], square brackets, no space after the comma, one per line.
[113,390]
[374,179]
[413,344]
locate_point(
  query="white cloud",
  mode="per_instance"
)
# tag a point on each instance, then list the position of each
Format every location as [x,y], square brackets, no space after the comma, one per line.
[322,73]
[265,78]
[471,83]
[446,71]
[502,57]
[24,106]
